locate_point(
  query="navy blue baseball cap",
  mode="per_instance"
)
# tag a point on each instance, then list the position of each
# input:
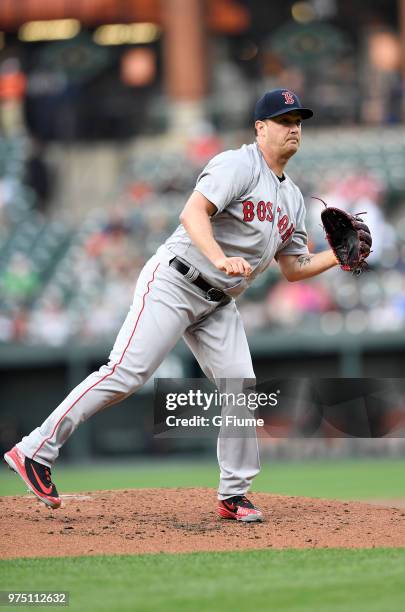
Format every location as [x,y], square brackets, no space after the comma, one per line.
[277,102]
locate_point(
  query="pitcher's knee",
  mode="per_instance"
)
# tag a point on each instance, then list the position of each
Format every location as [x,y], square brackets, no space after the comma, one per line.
[135,383]
[122,381]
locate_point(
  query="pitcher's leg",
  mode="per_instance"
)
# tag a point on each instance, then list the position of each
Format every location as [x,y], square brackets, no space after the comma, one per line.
[220,346]
[239,462]
[140,347]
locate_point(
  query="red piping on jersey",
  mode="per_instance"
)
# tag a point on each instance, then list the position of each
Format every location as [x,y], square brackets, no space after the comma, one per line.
[107,375]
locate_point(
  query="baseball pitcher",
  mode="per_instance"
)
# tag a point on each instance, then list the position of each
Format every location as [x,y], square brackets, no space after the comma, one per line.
[243,213]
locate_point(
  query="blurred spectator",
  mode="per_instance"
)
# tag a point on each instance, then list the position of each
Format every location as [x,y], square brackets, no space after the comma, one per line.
[116,228]
[12,92]
[38,176]
[6,328]
[102,323]
[20,325]
[288,303]
[203,144]
[7,191]
[19,282]
[139,190]
[50,324]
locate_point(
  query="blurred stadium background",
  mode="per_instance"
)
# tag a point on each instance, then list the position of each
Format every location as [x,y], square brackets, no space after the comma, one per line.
[108,112]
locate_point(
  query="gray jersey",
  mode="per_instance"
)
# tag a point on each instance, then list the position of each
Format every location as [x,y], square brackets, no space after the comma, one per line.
[257,216]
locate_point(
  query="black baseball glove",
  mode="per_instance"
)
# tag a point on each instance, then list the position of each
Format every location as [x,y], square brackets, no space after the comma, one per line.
[349,238]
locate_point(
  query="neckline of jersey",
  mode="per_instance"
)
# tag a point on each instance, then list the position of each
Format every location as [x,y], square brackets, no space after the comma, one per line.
[281,180]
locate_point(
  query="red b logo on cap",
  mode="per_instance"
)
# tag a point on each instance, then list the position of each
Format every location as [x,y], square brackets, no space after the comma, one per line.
[289,98]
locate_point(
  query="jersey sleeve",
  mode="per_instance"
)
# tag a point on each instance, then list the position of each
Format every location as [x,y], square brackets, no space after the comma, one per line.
[298,245]
[226,178]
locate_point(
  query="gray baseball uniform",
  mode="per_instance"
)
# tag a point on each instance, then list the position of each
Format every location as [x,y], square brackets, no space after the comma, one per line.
[257,217]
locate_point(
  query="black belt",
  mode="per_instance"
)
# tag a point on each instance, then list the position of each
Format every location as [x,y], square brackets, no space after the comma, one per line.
[212,293]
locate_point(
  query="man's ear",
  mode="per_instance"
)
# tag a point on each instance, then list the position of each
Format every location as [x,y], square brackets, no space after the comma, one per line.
[258,125]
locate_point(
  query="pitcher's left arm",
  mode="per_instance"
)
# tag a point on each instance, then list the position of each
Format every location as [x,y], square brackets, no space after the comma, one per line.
[300,267]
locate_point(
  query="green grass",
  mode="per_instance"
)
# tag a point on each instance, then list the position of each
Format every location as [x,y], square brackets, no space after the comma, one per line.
[340,479]
[283,581]
[316,580]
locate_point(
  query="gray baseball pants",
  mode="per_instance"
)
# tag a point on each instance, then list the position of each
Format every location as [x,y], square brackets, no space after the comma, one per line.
[166,307]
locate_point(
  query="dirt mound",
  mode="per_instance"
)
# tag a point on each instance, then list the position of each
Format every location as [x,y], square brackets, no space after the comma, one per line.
[185,520]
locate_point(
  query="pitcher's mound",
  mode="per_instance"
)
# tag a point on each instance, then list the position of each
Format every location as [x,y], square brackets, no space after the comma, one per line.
[185,520]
